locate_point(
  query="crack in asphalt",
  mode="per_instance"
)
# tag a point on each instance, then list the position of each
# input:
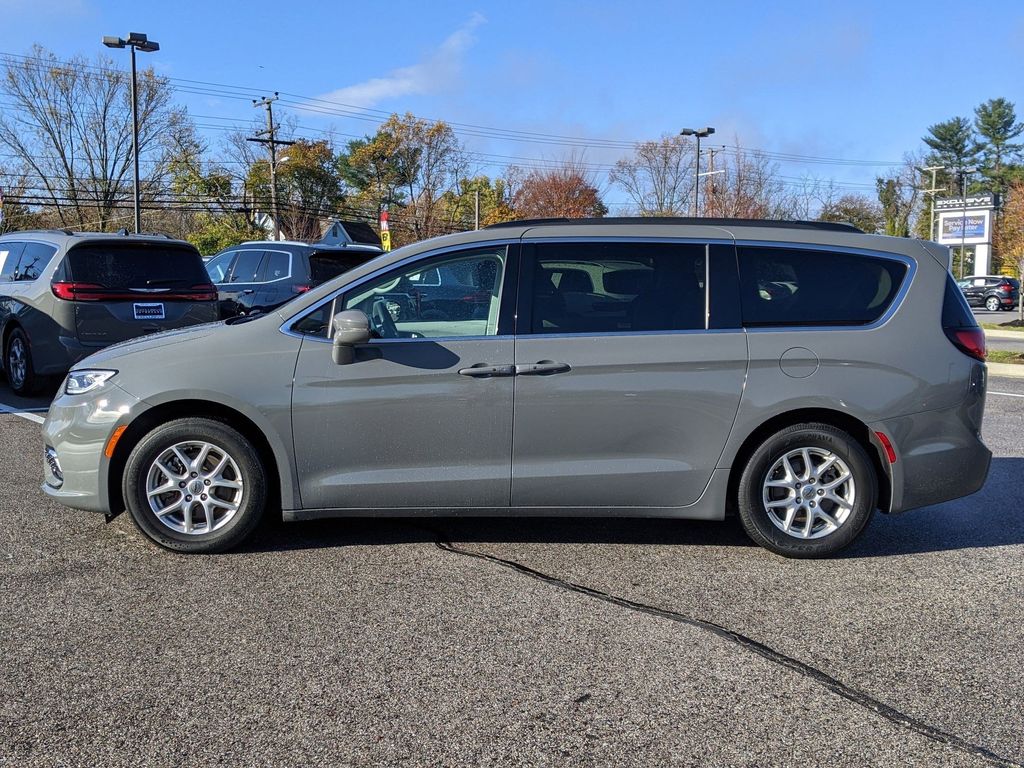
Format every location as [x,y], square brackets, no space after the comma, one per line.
[860,698]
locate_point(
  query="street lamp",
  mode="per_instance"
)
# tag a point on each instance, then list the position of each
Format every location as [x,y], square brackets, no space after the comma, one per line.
[136,40]
[700,133]
[964,173]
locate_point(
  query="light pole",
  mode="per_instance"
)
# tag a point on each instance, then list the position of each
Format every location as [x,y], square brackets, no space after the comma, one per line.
[700,133]
[144,44]
[964,173]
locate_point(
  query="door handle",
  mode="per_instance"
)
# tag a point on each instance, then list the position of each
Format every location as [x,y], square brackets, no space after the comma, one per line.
[543,368]
[484,371]
[247,290]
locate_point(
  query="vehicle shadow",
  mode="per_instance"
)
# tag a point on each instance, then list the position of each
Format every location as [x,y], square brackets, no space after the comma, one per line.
[993,517]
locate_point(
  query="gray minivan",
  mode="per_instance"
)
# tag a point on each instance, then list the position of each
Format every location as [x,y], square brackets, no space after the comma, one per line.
[801,374]
[65,295]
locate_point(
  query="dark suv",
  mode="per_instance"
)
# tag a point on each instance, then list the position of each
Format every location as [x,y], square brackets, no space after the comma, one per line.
[992,292]
[258,276]
[65,295]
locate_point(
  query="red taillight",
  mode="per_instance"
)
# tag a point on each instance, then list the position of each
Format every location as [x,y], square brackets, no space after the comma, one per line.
[301,288]
[77,291]
[970,341]
[890,453]
[91,292]
[1006,288]
[201,292]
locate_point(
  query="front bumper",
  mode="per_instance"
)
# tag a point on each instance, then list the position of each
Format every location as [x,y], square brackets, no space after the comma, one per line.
[77,429]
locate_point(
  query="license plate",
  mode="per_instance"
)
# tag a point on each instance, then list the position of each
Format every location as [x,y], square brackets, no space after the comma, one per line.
[149,311]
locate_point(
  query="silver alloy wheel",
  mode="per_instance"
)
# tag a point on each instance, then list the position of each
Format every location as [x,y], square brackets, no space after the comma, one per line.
[809,493]
[194,487]
[991,303]
[17,362]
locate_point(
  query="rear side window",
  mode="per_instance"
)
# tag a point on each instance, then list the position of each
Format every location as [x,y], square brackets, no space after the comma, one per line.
[955,311]
[34,259]
[217,267]
[10,253]
[136,265]
[618,287]
[246,267]
[275,267]
[789,286]
[326,265]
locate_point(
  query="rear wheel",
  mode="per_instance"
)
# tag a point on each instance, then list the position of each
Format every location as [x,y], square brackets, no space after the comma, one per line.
[195,485]
[18,364]
[992,304]
[807,491]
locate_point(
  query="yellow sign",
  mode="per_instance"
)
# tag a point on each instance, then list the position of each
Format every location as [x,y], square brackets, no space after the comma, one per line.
[385,240]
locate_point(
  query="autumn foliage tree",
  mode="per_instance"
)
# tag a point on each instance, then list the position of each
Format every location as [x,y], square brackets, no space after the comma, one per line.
[1010,234]
[566,191]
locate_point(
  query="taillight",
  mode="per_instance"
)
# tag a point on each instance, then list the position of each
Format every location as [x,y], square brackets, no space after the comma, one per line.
[1006,288]
[77,291]
[301,288]
[201,292]
[70,291]
[970,341]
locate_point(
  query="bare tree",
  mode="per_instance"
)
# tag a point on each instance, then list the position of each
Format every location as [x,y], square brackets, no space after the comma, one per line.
[748,187]
[658,177]
[71,128]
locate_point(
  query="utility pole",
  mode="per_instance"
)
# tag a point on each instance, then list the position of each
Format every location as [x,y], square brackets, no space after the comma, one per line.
[269,137]
[476,209]
[933,169]
[711,181]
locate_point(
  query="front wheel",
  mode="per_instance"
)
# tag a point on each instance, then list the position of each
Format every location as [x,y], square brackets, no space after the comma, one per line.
[195,485]
[807,491]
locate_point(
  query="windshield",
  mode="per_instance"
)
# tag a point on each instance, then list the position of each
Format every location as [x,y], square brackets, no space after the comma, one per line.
[136,265]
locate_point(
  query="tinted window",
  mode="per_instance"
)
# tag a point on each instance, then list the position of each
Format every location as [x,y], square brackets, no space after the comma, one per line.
[465,303]
[34,259]
[316,322]
[136,265]
[10,253]
[217,267]
[275,266]
[955,311]
[617,287]
[325,265]
[781,286]
[246,266]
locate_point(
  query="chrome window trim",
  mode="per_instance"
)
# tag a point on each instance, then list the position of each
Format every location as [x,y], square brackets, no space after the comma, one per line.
[285,327]
[894,305]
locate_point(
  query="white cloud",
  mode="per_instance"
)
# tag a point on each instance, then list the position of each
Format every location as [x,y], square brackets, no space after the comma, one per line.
[439,69]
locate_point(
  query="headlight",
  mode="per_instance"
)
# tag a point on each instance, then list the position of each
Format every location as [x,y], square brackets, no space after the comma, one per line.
[80,382]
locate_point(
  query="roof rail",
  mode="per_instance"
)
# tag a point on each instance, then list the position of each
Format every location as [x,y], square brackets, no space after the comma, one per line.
[827,226]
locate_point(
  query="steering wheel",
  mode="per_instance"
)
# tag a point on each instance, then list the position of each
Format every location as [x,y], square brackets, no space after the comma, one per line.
[381,321]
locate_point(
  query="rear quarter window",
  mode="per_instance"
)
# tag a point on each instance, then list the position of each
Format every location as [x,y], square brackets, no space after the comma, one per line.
[795,287]
[326,265]
[34,259]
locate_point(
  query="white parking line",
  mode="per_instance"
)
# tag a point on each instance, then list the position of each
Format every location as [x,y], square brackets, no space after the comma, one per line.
[1005,394]
[24,413]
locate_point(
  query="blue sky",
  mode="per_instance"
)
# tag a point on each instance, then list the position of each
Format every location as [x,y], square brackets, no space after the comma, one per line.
[853,81]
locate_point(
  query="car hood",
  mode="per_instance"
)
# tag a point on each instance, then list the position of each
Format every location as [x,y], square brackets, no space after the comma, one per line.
[150,341]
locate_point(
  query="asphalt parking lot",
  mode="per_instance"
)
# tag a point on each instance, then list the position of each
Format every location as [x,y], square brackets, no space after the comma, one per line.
[514,642]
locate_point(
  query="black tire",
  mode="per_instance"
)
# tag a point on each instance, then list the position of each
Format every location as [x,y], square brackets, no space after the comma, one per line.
[755,516]
[21,384]
[252,476]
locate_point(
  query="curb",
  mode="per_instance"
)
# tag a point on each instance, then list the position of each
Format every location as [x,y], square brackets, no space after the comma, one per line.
[1009,370]
[1004,335]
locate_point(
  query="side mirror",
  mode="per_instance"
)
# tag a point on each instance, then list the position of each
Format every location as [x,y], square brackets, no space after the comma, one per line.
[348,328]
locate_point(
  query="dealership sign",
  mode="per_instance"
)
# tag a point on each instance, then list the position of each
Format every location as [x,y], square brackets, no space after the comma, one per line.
[972,229]
[981,201]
